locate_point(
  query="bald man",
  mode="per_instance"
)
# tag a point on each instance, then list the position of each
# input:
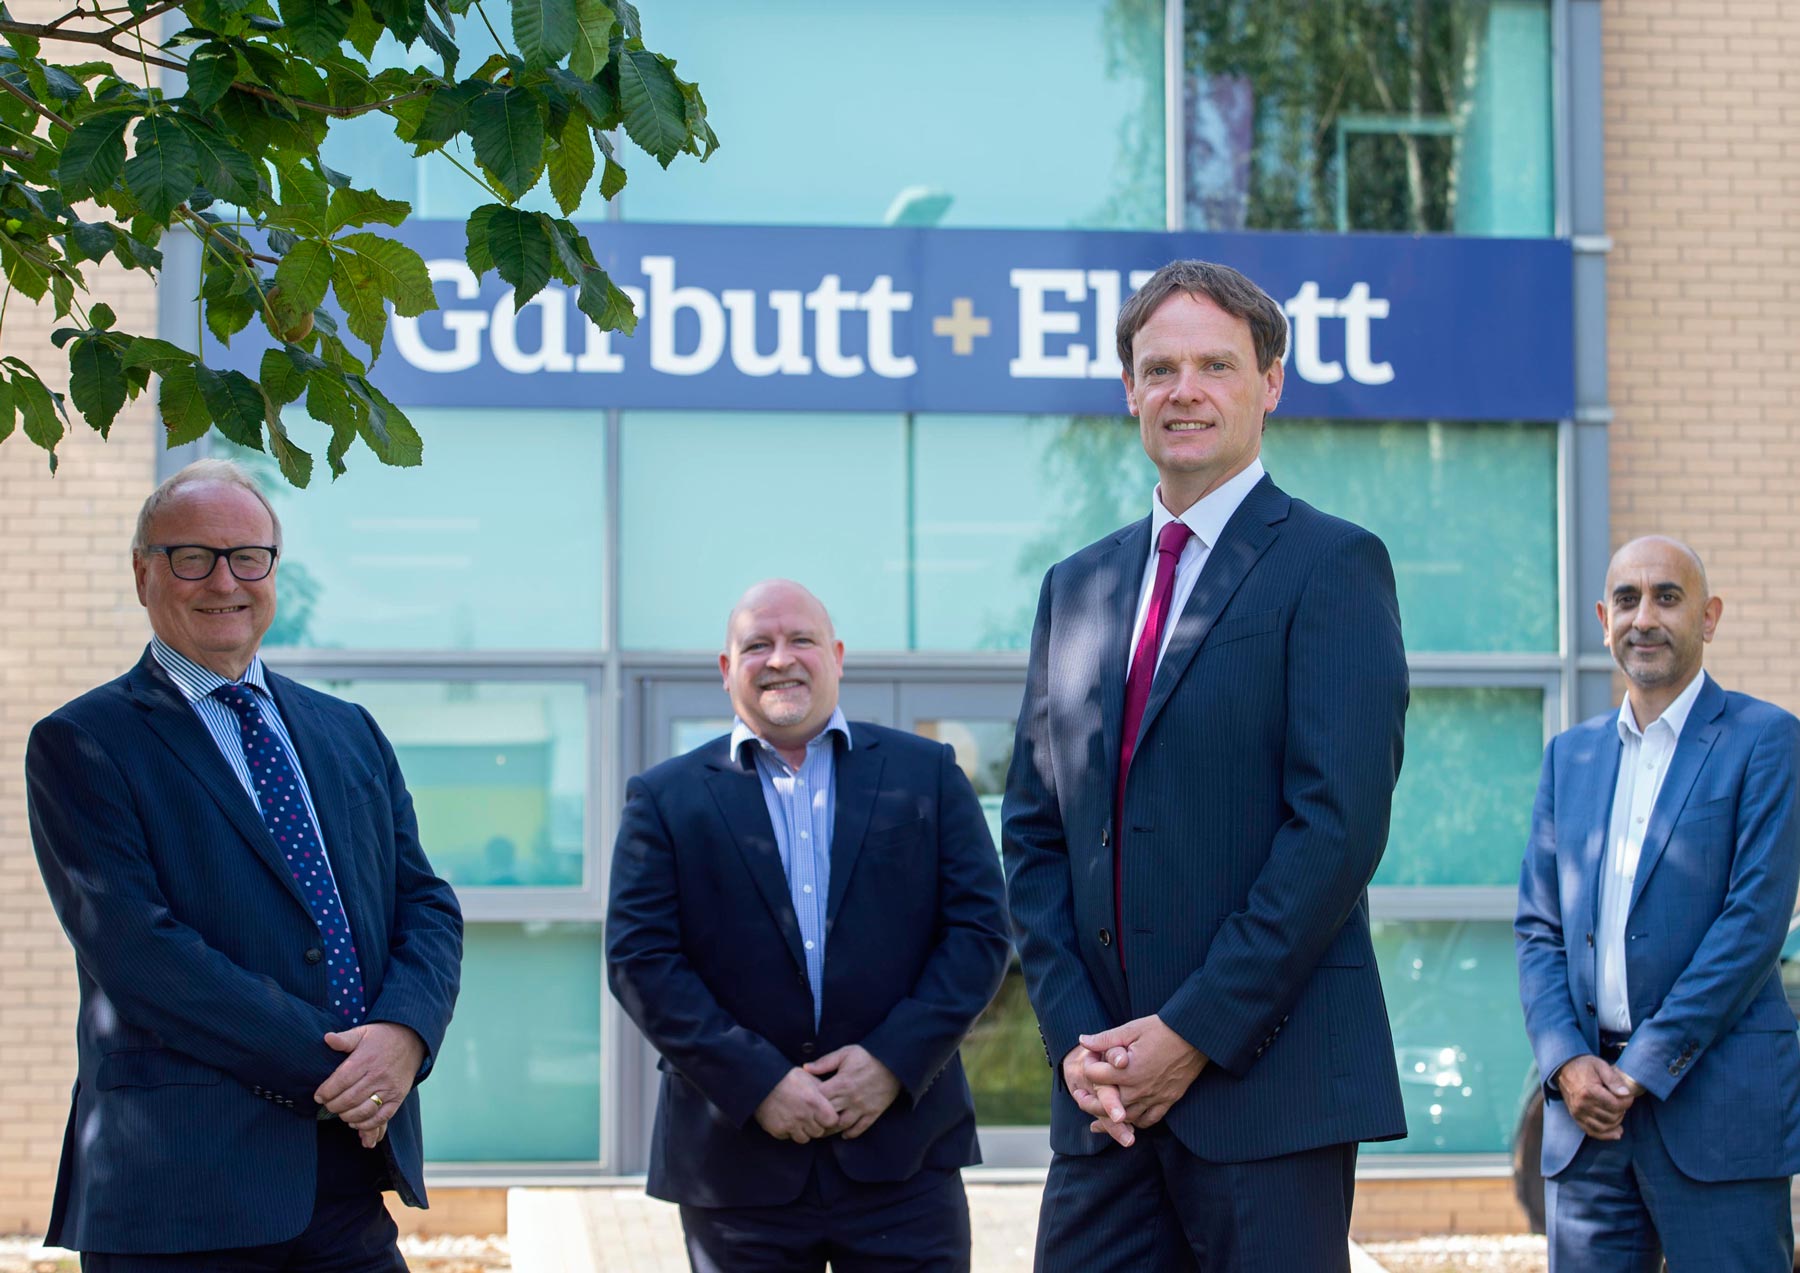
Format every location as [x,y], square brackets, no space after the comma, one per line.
[805,920]
[1653,902]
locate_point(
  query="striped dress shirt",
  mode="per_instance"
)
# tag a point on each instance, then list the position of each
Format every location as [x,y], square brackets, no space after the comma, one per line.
[801,803]
[197,684]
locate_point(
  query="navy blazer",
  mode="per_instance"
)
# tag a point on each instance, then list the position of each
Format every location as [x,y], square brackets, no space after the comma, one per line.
[703,950]
[1254,815]
[1713,1039]
[200,1038]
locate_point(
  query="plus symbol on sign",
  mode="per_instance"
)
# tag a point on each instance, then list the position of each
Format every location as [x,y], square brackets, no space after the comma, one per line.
[961,325]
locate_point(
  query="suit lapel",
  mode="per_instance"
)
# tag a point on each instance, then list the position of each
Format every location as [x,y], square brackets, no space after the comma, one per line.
[1119,578]
[1247,535]
[172,718]
[318,753]
[1603,766]
[738,794]
[1697,738]
[857,777]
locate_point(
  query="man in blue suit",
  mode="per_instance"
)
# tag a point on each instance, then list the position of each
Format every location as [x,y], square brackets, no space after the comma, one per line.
[1653,901]
[806,919]
[266,962]
[1199,794]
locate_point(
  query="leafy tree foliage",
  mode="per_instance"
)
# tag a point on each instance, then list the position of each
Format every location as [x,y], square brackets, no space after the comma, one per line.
[211,113]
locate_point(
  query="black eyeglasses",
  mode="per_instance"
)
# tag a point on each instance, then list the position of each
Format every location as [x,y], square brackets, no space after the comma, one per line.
[194,562]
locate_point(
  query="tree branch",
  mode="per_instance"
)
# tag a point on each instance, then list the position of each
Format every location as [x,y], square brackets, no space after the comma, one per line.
[212,233]
[155,11]
[12,152]
[36,105]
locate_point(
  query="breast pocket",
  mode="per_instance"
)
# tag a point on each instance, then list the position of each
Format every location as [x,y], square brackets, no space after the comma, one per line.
[1242,627]
[896,838]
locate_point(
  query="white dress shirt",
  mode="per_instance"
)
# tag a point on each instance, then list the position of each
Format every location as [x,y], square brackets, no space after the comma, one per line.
[1643,764]
[1207,520]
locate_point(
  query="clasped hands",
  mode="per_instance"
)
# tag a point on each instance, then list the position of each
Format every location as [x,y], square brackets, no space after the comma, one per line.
[842,1093]
[1126,1078]
[383,1060]
[1597,1095]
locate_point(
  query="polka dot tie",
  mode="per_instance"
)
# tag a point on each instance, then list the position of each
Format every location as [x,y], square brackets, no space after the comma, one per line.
[285,813]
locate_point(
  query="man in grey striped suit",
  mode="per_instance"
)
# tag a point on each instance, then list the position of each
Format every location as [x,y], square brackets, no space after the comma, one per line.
[267,964]
[1199,794]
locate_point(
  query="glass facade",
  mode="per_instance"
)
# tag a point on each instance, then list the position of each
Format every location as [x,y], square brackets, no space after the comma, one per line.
[532,616]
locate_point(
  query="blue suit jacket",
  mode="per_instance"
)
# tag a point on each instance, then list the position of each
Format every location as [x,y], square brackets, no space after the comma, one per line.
[200,1035]
[703,950]
[1713,1036]
[1255,813]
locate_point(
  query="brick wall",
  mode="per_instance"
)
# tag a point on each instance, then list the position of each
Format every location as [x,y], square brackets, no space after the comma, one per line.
[1702,171]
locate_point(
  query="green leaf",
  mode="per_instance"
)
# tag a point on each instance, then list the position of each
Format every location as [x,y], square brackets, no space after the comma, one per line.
[282,382]
[612,179]
[508,133]
[157,355]
[571,164]
[440,42]
[364,32]
[9,411]
[210,70]
[88,240]
[655,114]
[24,268]
[603,302]
[600,102]
[136,254]
[305,196]
[165,169]
[97,382]
[544,30]
[315,27]
[396,271]
[236,403]
[59,83]
[445,114]
[594,23]
[364,308]
[478,254]
[385,427]
[226,172]
[229,315]
[304,275]
[629,21]
[184,414]
[296,465]
[38,407]
[520,247]
[102,315]
[94,155]
[360,207]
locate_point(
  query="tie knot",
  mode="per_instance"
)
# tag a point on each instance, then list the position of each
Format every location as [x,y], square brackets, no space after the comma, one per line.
[1174,537]
[239,698]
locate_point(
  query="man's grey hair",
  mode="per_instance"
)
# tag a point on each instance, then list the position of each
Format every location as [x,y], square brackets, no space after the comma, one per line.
[220,472]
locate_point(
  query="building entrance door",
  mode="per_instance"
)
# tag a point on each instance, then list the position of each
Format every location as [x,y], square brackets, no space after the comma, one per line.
[975,715]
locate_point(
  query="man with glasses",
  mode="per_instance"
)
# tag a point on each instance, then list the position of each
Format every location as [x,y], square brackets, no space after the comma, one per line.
[267,963]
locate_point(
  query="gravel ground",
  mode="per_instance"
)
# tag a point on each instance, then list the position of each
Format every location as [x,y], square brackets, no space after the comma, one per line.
[1509,1254]
[423,1255]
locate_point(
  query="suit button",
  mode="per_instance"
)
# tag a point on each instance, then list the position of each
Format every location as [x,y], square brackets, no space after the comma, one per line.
[807,1049]
[1105,938]
[1590,939]
[1674,1069]
[1105,836]
[314,954]
[1590,1008]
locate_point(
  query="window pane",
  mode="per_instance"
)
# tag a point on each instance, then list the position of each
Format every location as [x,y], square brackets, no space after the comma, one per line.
[1343,117]
[498,774]
[713,502]
[1004,1059]
[496,542]
[519,1077]
[1468,513]
[1462,811]
[1459,1034]
[950,112]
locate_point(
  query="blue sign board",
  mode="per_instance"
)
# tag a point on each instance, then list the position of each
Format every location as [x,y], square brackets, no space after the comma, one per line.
[934,320]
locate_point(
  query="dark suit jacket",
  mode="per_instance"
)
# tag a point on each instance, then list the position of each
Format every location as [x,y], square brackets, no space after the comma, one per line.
[703,949]
[1254,815]
[200,1037]
[1713,1036]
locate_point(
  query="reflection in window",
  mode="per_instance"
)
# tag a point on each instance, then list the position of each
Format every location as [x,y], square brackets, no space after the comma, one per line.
[1367,115]
[949,112]
[983,750]
[1462,810]
[518,1079]
[497,542]
[1459,1034]
[497,771]
[1004,1059]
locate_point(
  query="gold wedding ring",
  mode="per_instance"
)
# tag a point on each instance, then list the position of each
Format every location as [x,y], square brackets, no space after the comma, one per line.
[376,1097]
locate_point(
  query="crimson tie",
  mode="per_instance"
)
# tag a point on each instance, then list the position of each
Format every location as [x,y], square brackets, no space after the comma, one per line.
[1169,544]
[284,812]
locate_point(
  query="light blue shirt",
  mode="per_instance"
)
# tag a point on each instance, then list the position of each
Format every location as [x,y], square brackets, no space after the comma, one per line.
[801,803]
[197,683]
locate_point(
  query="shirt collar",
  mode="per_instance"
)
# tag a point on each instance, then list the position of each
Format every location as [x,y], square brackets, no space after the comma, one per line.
[1208,515]
[742,734]
[196,682]
[1675,713]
